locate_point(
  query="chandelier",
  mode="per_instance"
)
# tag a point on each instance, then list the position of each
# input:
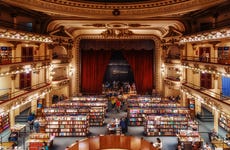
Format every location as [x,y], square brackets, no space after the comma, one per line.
[117,33]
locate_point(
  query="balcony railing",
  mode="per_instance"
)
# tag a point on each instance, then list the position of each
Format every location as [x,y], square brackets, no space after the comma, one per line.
[14,60]
[176,79]
[213,60]
[208,92]
[61,58]
[20,27]
[9,96]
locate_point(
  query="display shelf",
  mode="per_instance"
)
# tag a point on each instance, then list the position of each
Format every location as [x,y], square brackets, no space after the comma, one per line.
[4,121]
[136,115]
[224,122]
[96,110]
[64,110]
[36,140]
[165,125]
[92,100]
[97,116]
[67,125]
[189,136]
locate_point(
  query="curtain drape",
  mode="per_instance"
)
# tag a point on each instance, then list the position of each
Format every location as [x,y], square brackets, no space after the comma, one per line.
[94,63]
[141,62]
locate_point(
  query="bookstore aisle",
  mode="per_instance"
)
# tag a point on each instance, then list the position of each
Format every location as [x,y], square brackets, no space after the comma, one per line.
[169,142]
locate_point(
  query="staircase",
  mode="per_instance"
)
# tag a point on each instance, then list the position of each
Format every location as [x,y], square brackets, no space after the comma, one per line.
[205,118]
[22,117]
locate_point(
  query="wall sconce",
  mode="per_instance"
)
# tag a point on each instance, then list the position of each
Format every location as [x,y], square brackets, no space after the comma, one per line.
[71,70]
[162,68]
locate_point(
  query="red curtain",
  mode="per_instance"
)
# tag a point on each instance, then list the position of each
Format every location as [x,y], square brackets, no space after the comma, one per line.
[141,62]
[93,66]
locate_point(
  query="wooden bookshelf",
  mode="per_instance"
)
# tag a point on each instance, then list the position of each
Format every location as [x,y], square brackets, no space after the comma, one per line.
[77,125]
[97,116]
[165,125]
[4,121]
[224,122]
[136,115]
[36,140]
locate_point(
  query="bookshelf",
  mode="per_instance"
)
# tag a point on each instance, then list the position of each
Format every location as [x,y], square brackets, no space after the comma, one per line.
[96,111]
[35,141]
[77,125]
[65,110]
[97,116]
[165,125]
[224,122]
[189,139]
[137,115]
[4,121]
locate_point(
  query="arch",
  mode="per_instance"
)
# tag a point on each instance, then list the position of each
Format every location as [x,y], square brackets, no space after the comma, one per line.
[157,81]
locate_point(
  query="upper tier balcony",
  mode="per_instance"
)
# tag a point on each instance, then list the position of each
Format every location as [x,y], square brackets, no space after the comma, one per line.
[23,60]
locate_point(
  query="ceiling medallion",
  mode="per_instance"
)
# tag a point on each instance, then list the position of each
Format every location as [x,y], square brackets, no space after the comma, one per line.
[116,33]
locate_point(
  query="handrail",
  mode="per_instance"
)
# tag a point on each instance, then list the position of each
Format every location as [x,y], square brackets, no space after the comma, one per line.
[23,91]
[15,26]
[212,26]
[13,60]
[207,91]
[214,60]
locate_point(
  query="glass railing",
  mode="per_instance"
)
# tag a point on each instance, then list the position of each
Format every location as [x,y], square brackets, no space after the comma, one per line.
[206,91]
[19,92]
[13,60]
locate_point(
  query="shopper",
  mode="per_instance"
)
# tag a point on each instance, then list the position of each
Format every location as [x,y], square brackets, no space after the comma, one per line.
[30,121]
[37,126]
[122,125]
[118,105]
[207,147]
[45,146]
[158,144]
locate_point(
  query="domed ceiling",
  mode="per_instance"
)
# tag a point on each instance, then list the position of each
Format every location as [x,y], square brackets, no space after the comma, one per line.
[77,17]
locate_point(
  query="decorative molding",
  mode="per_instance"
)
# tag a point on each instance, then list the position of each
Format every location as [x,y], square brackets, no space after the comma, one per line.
[117,33]
[157,79]
[100,10]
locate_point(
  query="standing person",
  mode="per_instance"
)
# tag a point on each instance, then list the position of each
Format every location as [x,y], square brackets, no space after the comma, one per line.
[30,120]
[126,124]
[207,147]
[118,105]
[122,125]
[45,146]
[158,144]
[37,126]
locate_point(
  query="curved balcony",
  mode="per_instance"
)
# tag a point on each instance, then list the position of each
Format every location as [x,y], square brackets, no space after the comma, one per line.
[212,60]
[210,95]
[20,60]
[57,59]
[7,97]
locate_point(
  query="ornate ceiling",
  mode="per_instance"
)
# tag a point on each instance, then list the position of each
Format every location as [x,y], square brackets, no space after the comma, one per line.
[78,17]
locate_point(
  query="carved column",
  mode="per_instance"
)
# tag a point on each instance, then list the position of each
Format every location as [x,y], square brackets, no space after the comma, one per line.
[216,115]
[12,117]
[34,104]
[197,107]
[13,77]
